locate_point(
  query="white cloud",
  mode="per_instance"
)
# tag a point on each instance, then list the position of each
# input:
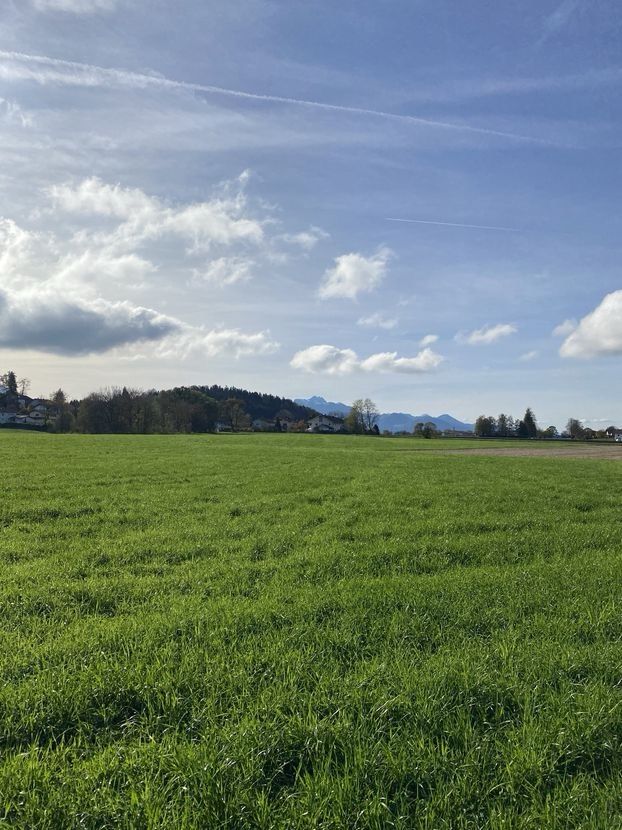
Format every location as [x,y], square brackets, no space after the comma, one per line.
[599,332]
[94,196]
[528,356]
[233,341]
[208,222]
[377,321]
[487,334]
[428,340]
[326,359]
[565,328]
[425,361]
[306,240]
[226,271]
[76,6]
[193,340]
[221,220]
[334,361]
[354,274]
[30,260]
[17,252]
[93,266]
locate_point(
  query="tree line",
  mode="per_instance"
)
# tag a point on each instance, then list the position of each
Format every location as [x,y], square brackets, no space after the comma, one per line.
[505,426]
[192,409]
[182,409]
[132,411]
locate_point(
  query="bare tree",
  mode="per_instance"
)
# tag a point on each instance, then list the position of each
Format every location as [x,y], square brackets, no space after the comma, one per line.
[233,413]
[370,414]
[363,416]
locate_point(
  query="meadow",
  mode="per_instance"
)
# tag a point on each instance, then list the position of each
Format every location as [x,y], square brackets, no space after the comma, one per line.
[273,631]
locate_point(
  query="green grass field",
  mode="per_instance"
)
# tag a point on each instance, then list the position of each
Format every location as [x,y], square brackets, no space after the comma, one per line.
[265,631]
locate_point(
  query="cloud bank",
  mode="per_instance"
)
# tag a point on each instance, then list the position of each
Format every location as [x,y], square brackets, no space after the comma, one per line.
[45,321]
[55,287]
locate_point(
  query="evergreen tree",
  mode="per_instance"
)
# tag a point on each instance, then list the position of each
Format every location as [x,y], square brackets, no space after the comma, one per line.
[529,421]
[502,426]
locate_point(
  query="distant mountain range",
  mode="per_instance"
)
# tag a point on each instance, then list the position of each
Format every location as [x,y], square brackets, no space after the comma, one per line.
[390,421]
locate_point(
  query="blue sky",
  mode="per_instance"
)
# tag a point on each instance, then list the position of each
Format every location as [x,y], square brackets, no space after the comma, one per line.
[206,192]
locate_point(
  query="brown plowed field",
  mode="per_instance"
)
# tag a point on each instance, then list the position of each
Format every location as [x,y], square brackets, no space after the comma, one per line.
[612,452]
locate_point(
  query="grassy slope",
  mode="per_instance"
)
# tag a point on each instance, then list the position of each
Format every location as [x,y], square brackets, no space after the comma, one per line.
[304,631]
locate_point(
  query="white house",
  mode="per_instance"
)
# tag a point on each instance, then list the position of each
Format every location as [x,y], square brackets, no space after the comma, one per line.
[325,423]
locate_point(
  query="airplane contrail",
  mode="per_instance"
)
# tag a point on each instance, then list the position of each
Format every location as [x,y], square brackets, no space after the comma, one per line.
[43,70]
[455,225]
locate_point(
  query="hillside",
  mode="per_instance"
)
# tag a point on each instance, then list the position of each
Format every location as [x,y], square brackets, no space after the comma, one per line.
[260,405]
[390,421]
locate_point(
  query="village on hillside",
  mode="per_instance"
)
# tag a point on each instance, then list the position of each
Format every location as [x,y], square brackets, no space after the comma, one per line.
[177,410]
[18,409]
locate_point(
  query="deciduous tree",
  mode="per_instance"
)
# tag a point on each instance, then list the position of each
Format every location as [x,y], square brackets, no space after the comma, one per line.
[234,414]
[485,426]
[574,428]
[354,419]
